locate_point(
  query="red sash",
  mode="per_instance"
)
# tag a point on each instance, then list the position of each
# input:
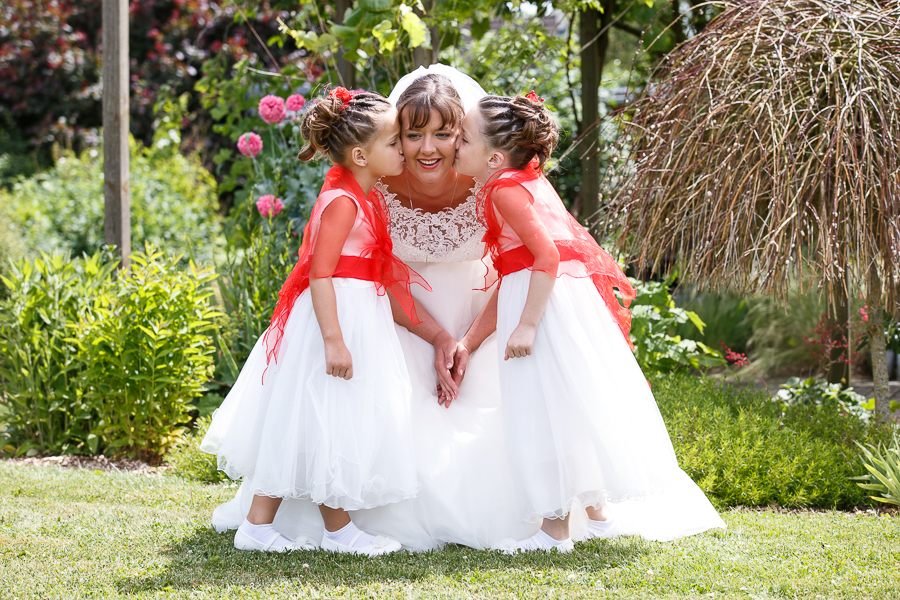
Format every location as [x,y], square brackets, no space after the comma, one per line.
[600,266]
[379,266]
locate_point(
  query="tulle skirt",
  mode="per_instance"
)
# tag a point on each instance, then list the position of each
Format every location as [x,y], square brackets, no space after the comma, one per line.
[581,424]
[306,435]
[466,495]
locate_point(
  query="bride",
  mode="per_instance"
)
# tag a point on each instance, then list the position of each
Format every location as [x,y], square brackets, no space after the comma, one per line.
[465,492]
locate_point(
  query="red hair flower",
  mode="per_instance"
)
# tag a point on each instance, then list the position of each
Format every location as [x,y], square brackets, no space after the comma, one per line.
[342,94]
[533,97]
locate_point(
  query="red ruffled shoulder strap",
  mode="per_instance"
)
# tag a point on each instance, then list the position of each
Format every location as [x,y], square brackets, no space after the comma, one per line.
[603,270]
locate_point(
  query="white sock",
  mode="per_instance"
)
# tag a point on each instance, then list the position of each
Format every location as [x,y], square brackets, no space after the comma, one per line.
[345,535]
[265,534]
[600,528]
[540,541]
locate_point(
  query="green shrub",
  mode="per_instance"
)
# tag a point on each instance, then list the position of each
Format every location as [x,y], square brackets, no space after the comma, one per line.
[148,351]
[90,363]
[744,449]
[820,393]
[10,244]
[40,369]
[726,317]
[658,349]
[173,204]
[189,461]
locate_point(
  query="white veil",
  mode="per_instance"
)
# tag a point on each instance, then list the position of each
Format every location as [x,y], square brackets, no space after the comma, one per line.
[469,90]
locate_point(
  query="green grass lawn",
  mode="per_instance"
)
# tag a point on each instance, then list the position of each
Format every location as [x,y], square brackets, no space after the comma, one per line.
[83,534]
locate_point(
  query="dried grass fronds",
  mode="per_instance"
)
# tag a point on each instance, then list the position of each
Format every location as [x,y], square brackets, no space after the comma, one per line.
[769,141]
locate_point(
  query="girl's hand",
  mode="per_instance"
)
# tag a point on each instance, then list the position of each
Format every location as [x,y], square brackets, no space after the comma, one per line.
[338,362]
[521,342]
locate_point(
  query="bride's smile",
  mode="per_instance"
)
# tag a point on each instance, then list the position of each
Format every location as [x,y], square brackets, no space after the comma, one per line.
[432,148]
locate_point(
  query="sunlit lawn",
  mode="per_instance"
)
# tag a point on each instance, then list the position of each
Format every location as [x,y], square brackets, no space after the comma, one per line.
[80,534]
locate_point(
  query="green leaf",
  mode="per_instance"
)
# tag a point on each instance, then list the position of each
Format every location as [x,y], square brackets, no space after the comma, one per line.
[386,36]
[696,320]
[413,25]
[343,31]
[375,5]
[93,441]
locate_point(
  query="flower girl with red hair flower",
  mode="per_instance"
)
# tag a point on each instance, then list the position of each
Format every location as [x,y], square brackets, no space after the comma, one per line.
[581,422]
[320,410]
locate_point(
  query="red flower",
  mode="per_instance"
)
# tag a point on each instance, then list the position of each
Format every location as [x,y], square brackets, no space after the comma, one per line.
[342,94]
[533,97]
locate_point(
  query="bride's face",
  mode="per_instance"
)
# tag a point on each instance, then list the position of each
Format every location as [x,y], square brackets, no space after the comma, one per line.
[429,150]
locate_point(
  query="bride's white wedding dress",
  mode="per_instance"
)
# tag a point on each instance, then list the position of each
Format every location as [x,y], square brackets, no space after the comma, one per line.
[465,492]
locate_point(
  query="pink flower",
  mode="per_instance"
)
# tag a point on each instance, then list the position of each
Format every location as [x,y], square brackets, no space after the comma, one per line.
[271,109]
[295,102]
[250,144]
[865,314]
[269,206]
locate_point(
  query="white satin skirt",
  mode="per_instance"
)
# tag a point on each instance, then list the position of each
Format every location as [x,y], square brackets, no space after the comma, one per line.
[582,427]
[312,437]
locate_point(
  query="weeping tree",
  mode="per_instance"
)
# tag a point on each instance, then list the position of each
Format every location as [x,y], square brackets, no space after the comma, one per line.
[767,144]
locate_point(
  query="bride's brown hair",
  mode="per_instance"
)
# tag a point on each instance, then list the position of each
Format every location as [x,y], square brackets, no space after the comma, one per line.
[334,127]
[521,127]
[427,93]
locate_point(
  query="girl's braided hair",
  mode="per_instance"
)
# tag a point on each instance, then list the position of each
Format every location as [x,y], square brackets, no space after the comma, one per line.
[334,127]
[520,127]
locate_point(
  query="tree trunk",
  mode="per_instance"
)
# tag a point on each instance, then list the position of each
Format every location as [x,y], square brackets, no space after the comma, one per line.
[593,54]
[839,319]
[875,331]
[677,24]
[590,113]
[117,205]
[435,35]
[346,72]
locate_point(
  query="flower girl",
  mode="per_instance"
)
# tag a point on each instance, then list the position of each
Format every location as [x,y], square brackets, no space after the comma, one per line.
[321,408]
[581,422]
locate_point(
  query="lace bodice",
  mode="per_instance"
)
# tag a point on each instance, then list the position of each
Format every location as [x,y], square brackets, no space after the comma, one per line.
[451,235]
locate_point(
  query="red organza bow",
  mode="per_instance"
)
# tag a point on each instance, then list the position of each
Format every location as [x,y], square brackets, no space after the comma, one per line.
[603,270]
[342,94]
[533,97]
[377,263]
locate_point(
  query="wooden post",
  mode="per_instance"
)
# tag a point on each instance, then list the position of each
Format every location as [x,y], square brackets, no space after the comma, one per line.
[117,214]
[346,72]
[590,113]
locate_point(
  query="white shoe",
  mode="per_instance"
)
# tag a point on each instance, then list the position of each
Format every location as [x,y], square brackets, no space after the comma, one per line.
[378,546]
[598,530]
[242,541]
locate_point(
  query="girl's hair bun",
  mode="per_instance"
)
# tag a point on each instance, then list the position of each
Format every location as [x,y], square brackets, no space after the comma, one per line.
[334,125]
[521,126]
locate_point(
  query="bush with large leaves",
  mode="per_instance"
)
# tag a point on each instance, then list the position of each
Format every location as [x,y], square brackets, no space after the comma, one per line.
[90,363]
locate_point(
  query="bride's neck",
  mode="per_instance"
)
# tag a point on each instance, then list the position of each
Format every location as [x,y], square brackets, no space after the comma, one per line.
[433,191]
